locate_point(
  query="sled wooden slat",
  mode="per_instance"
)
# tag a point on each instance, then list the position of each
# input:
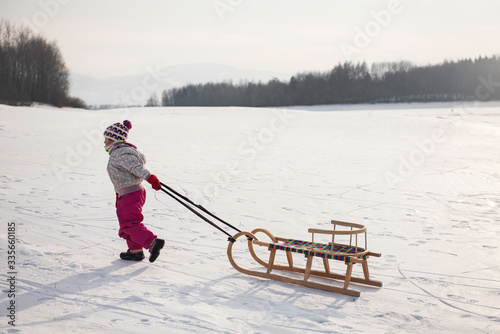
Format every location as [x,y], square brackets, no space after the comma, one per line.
[350,254]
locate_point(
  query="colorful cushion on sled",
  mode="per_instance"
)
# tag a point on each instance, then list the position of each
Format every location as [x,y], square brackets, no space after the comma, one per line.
[317,249]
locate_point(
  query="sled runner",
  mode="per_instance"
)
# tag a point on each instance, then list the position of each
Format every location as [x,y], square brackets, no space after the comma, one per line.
[350,254]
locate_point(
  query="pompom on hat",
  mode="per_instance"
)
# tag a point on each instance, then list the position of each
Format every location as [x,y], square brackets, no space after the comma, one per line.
[118,131]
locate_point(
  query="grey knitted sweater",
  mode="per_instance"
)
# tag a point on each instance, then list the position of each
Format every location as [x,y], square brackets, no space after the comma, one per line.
[126,168]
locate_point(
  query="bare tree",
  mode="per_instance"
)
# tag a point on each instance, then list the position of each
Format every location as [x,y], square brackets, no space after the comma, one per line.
[153,101]
[32,69]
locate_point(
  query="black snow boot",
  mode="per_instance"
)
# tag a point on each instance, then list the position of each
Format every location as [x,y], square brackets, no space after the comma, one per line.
[155,248]
[131,256]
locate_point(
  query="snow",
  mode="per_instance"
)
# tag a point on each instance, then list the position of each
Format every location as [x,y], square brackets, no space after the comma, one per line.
[423,178]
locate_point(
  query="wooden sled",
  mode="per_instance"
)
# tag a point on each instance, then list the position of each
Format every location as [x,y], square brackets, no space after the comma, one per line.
[350,253]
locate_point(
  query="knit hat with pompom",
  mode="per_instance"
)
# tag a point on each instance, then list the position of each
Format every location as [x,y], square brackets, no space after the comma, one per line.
[118,131]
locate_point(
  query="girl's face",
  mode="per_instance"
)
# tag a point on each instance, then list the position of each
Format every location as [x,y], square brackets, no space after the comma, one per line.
[107,141]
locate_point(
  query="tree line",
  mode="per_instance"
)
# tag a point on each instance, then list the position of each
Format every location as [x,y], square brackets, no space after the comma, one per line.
[32,69]
[349,83]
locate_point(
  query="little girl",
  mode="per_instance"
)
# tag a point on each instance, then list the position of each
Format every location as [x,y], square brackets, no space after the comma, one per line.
[126,171]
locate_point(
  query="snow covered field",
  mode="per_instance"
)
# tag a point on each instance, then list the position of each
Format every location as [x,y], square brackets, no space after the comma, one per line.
[424,179]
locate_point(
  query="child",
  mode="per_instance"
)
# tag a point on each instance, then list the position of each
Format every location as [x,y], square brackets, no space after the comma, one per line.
[126,171]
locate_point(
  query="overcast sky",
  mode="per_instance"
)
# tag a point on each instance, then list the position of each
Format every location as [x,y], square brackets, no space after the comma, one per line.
[105,38]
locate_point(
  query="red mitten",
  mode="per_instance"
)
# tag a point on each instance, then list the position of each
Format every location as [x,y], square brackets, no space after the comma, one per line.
[155,183]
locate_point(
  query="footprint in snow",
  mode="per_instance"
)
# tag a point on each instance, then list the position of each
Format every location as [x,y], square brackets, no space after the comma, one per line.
[390,258]
[394,284]
[455,297]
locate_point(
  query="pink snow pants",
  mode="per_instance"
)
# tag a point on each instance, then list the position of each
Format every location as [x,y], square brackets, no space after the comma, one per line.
[129,213]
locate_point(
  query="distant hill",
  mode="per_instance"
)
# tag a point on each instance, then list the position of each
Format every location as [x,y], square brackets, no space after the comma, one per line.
[136,89]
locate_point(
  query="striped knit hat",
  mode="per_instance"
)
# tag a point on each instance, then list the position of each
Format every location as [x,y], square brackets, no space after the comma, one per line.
[118,131]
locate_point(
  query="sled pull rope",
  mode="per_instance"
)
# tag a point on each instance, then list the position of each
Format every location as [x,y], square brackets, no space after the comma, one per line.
[186,202]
